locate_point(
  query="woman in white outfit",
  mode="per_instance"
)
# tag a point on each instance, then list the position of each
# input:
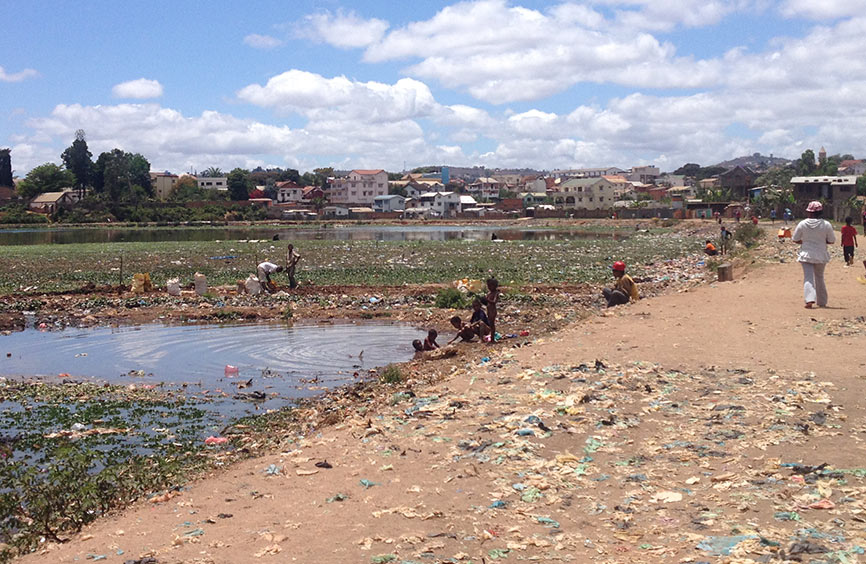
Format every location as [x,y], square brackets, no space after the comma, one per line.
[813,235]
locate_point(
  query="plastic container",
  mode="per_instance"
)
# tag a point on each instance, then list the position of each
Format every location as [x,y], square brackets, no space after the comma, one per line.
[172,287]
[200,284]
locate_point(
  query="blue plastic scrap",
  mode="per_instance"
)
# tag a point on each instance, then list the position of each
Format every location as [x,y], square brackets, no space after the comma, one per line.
[722,546]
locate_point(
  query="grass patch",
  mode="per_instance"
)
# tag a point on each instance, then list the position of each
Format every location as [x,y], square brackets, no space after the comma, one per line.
[391,374]
[451,298]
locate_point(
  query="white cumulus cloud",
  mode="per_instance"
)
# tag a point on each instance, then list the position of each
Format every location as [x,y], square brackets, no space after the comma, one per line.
[17,76]
[140,89]
[824,9]
[262,41]
[343,29]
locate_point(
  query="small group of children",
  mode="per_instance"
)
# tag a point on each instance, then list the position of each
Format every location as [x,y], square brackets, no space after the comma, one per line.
[482,324]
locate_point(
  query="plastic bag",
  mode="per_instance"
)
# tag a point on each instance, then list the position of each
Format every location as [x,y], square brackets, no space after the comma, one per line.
[172,287]
[141,283]
[200,284]
[252,285]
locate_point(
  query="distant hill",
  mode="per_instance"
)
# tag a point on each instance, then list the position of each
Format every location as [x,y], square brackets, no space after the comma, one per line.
[756,162]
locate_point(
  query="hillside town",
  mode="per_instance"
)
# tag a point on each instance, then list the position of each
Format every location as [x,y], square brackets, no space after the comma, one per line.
[754,185]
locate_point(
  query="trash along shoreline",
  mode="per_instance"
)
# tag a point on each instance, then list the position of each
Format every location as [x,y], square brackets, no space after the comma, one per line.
[535,448]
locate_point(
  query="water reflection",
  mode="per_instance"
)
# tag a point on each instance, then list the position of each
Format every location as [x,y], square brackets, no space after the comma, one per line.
[337,233]
[283,360]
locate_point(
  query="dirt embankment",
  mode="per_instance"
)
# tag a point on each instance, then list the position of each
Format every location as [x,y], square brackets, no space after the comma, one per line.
[716,423]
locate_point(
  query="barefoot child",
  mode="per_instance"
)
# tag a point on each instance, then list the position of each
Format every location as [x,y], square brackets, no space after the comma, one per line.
[466,331]
[492,299]
[430,341]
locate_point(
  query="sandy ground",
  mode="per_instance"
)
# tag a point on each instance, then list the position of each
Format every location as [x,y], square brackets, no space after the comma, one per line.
[696,438]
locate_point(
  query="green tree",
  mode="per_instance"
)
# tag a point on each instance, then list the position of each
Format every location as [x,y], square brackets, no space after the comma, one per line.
[777,177]
[47,177]
[688,169]
[289,174]
[323,174]
[186,190]
[117,174]
[6,167]
[239,184]
[77,159]
[861,185]
[212,172]
[806,165]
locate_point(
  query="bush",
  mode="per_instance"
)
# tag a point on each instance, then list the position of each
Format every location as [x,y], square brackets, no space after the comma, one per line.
[748,234]
[391,375]
[19,214]
[451,298]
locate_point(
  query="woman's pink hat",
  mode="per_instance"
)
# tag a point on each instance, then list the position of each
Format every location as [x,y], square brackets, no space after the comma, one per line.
[815,206]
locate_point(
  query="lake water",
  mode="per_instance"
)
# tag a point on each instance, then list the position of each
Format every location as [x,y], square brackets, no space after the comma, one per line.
[335,233]
[283,361]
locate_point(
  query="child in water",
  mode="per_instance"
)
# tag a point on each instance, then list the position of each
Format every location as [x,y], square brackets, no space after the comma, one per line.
[430,341]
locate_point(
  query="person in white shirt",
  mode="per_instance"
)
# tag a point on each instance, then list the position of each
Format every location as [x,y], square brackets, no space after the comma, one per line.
[264,271]
[813,235]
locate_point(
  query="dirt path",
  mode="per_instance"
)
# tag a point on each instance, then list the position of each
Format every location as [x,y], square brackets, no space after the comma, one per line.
[684,447]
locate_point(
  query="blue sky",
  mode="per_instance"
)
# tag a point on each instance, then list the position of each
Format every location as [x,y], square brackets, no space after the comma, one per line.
[375,84]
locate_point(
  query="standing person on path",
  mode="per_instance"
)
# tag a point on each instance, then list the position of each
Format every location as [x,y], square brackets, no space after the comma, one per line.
[813,235]
[773,216]
[492,299]
[724,237]
[849,241]
[292,258]
[864,220]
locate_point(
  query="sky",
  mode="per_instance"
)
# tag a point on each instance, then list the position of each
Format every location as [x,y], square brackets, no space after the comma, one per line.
[396,85]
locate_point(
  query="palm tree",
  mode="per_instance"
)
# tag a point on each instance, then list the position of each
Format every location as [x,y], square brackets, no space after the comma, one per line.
[212,172]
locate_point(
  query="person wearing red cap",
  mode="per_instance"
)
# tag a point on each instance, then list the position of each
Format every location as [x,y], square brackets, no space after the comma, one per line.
[624,290]
[813,235]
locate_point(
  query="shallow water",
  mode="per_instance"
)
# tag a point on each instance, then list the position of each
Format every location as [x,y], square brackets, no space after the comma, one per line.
[283,361]
[336,233]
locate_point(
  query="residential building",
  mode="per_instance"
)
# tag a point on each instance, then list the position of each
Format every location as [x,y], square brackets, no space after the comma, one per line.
[586,172]
[621,186]
[439,204]
[359,187]
[313,193]
[485,188]
[335,212]
[834,191]
[51,202]
[389,203]
[585,193]
[163,184]
[738,180]
[289,191]
[213,183]
[644,174]
[849,167]
[530,199]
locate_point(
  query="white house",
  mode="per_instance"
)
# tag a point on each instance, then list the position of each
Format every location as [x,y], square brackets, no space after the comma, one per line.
[360,187]
[215,183]
[389,203]
[441,204]
[485,188]
[586,194]
[288,191]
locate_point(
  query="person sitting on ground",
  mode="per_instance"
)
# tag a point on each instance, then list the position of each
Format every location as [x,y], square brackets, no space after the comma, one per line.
[710,249]
[624,290]
[264,271]
[430,341]
[468,331]
[477,311]
[849,241]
